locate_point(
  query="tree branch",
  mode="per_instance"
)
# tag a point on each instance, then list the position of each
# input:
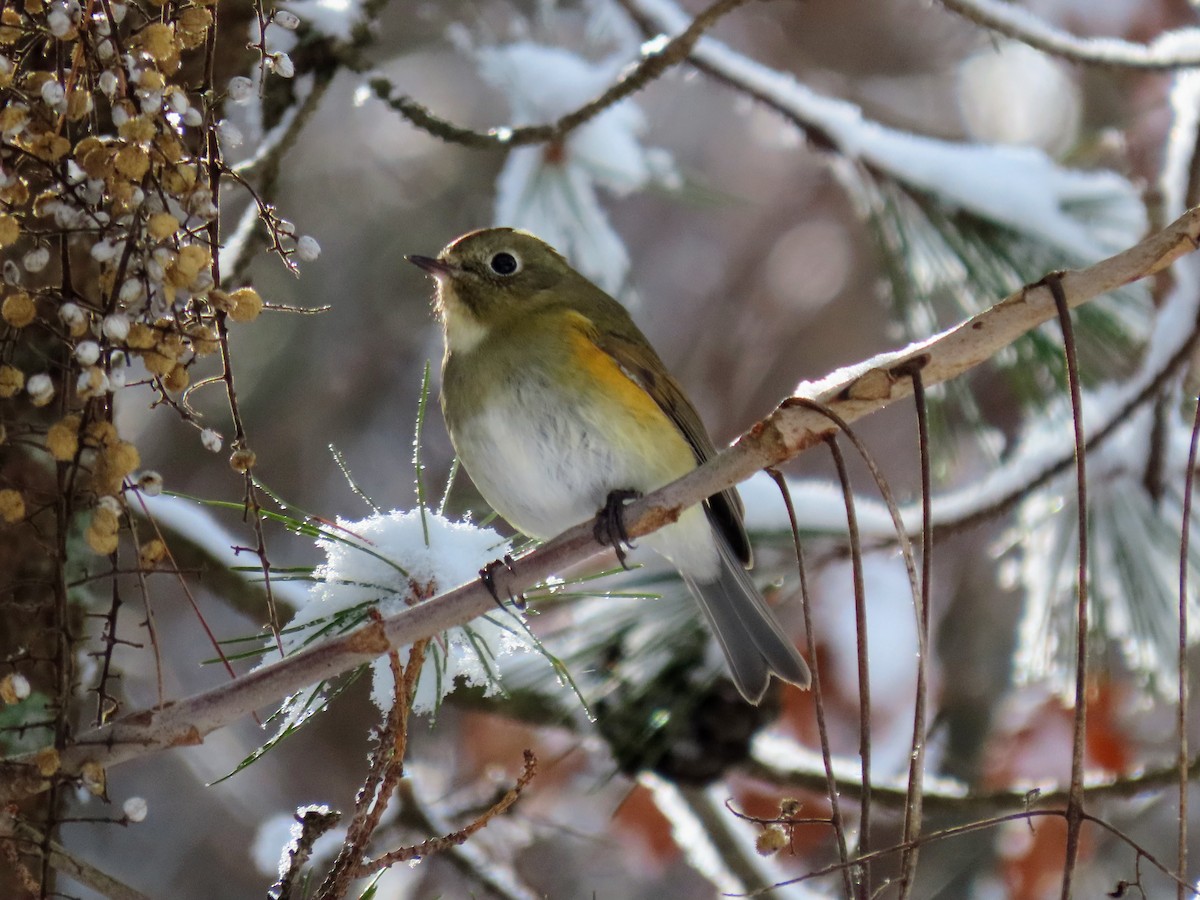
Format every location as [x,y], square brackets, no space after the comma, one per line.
[656,59]
[1168,52]
[852,393]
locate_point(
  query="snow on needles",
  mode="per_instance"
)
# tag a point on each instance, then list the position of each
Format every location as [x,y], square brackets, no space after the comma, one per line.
[393,561]
[1086,214]
[551,190]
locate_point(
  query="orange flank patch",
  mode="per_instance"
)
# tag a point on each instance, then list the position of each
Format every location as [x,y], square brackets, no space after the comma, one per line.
[603,371]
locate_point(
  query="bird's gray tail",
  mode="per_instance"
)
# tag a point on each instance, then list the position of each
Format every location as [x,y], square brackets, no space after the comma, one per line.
[752,639]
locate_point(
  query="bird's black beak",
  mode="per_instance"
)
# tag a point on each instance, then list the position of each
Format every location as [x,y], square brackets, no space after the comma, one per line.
[435,267]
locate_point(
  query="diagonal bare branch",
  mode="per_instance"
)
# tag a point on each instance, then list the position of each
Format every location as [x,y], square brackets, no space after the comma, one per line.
[852,392]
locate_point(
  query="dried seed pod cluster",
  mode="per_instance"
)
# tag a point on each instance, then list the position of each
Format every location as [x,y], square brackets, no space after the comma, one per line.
[109,163]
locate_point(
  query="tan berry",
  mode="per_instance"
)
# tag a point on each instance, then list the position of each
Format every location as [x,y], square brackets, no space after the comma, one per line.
[47,761]
[14,117]
[151,80]
[97,161]
[180,179]
[124,458]
[162,225]
[151,552]
[195,19]
[62,440]
[169,146]
[92,383]
[10,32]
[12,505]
[247,304]
[204,340]
[133,162]
[12,380]
[8,691]
[220,300]
[771,841]
[172,344]
[94,778]
[17,193]
[158,41]
[157,363]
[105,520]
[177,379]
[123,196]
[101,434]
[141,337]
[117,460]
[18,309]
[139,129]
[79,104]
[101,543]
[49,147]
[243,460]
[10,230]
[192,260]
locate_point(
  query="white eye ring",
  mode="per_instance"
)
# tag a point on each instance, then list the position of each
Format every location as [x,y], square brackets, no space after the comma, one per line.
[505,263]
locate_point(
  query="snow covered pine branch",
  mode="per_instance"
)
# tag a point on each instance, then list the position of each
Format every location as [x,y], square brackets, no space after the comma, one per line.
[851,393]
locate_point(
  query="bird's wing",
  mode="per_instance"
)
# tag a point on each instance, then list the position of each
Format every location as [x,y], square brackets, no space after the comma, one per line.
[637,359]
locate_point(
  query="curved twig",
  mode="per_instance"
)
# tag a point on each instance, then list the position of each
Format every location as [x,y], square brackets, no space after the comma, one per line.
[1170,51]
[656,59]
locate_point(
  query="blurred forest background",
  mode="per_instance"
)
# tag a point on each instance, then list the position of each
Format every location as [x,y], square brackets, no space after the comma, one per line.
[755,254]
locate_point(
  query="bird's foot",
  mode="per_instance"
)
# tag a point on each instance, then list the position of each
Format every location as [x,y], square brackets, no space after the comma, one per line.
[610,522]
[488,576]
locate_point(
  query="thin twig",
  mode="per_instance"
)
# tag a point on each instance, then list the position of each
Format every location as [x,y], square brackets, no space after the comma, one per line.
[1075,794]
[654,62]
[1181,714]
[864,662]
[443,843]
[916,760]
[818,695]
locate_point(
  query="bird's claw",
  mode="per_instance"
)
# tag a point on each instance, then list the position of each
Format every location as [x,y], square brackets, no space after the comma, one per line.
[488,576]
[610,522]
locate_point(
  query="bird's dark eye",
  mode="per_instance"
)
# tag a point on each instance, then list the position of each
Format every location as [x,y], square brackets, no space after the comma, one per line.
[504,263]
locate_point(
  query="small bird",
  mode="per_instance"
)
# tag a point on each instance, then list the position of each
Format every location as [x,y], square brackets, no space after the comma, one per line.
[558,407]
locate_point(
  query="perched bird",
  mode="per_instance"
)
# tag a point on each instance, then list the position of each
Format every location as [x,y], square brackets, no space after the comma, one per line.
[557,405]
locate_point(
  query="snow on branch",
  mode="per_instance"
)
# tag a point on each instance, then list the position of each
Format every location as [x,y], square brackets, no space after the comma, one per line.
[852,392]
[1171,50]
[1086,214]
[658,56]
